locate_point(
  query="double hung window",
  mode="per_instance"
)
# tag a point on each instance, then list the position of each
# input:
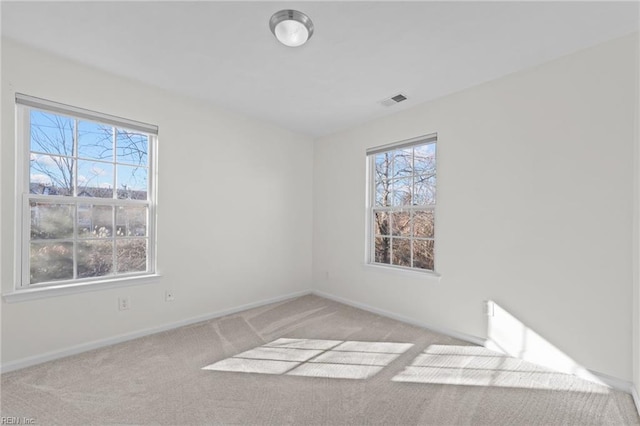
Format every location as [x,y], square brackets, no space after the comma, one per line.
[86,195]
[402,202]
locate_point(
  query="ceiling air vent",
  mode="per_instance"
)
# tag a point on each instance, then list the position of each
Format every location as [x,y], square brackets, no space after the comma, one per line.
[393,100]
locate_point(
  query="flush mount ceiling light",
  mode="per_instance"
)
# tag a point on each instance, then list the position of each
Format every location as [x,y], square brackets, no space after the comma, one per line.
[291,28]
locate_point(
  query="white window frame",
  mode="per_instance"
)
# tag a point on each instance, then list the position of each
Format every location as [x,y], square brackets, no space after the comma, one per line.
[372,208]
[24,105]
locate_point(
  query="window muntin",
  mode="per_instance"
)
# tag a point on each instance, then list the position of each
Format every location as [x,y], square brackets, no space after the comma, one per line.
[402,204]
[87,204]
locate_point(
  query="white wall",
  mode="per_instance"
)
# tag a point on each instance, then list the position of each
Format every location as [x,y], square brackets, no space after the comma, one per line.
[535,181]
[234,216]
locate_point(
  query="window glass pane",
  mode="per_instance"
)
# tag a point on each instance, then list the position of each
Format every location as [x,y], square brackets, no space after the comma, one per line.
[131,255]
[383,193]
[132,183]
[95,258]
[383,250]
[401,192]
[95,141]
[132,148]
[51,261]
[425,159]
[401,223]
[383,166]
[423,254]
[95,221]
[423,223]
[402,162]
[51,221]
[95,179]
[85,221]
[381,225]
[425,190]
[131,221]
[51,133]
[401,251]
[50,175]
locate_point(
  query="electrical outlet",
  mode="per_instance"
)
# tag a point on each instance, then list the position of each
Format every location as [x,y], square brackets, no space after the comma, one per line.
[168,296]
[123,303]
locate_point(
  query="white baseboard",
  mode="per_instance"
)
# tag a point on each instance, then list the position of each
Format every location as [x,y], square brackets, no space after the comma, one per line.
[615,383]
[73,350]
[447,332]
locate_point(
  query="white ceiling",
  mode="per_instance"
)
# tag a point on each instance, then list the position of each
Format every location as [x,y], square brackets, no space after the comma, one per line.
[360,53]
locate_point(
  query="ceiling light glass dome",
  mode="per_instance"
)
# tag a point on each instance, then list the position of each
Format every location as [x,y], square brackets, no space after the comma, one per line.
[291,28]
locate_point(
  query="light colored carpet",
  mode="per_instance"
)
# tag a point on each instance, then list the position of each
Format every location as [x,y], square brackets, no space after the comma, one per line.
[307,361]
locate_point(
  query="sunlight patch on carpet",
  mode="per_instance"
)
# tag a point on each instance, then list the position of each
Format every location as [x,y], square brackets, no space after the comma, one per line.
[336,359]
[281,354]
[263,366]
[336,371]
[478,366]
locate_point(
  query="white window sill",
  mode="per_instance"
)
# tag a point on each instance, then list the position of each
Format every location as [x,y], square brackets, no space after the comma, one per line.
[66,289]
[429,275]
